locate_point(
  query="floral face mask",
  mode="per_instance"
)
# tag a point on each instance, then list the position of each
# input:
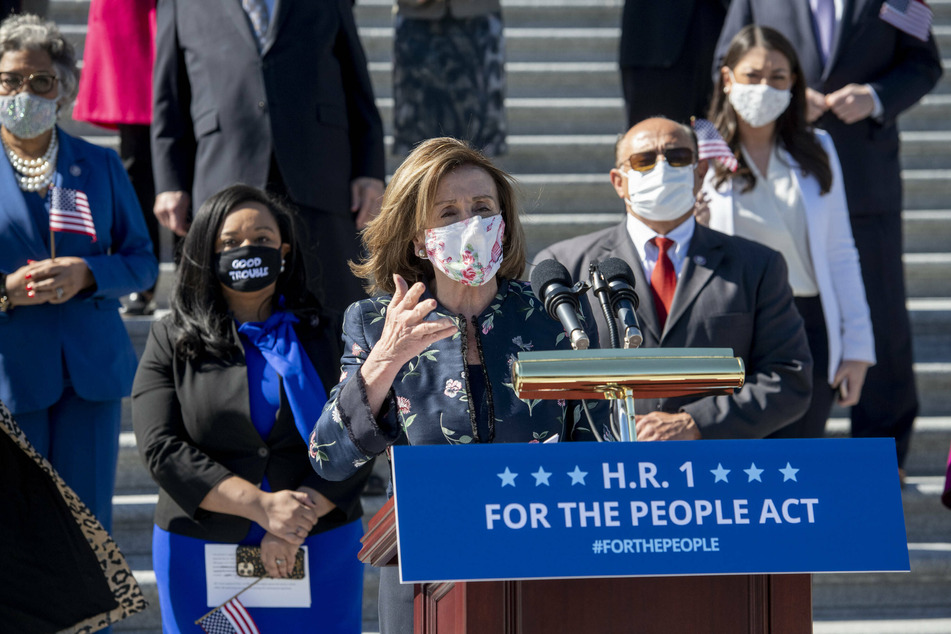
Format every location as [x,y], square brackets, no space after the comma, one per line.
[468,252]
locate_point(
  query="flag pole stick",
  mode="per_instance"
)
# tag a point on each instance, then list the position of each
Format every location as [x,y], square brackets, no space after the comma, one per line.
[231,599]
[52,237]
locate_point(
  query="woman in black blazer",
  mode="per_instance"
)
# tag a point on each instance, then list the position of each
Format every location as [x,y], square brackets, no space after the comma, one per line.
[227,390]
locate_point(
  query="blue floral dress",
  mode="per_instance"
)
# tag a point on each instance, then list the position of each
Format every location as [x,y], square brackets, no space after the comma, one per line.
[429,402]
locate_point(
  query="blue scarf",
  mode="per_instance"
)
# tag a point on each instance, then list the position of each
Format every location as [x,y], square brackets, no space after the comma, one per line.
[278,344]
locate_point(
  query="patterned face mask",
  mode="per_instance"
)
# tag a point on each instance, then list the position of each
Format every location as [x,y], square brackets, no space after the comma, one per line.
[27,116]
[468,252]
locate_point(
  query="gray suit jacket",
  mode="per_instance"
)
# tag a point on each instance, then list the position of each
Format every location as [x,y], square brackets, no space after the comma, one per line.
[732,293]
[222,108]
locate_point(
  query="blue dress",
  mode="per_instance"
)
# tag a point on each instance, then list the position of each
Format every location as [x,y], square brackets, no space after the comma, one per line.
[335,572]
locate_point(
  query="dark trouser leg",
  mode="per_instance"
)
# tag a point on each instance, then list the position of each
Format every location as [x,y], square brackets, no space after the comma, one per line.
[889,400]
[812,424]
[395,603]
[330,240]
[136,155]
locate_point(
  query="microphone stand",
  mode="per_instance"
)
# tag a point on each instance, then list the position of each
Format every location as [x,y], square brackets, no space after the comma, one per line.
[623,423]
[603,292]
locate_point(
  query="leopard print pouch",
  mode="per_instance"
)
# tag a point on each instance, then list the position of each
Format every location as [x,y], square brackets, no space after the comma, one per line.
[249,563]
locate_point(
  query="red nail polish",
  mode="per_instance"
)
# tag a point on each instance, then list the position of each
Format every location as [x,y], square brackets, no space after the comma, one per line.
[28,276]
[29,287]
[30,293]
[30,261]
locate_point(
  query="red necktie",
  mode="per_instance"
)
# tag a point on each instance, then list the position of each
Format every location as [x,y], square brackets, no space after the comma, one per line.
[663,279]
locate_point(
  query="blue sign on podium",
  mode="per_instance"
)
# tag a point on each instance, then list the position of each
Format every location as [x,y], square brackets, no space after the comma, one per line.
[536,511]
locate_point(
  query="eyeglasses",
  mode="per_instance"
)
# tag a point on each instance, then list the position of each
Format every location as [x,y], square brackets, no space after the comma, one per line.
[675,157]
[39,83]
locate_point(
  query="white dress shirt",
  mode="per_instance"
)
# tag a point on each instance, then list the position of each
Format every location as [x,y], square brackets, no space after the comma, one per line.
[641,235]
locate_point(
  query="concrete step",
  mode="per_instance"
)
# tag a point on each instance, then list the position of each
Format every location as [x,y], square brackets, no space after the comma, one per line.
[928,454]
[533,79]
[927,586]
[517,13]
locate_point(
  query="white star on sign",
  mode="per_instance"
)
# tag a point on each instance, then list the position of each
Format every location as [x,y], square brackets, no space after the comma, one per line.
[577,476]
[753,473]
[508,478]
[789,473]
[720,473]
[541,477]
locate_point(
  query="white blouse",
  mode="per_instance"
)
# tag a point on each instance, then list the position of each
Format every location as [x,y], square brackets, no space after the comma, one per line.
[772,213]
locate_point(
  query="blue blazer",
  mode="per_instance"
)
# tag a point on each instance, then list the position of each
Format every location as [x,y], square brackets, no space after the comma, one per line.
[86,333]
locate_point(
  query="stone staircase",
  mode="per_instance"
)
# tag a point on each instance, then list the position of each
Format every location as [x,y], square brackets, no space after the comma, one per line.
[564,111]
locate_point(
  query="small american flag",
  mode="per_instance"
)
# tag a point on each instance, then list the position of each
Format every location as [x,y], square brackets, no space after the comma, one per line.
[230,618]
[910,16]
[69,212]
[711,145]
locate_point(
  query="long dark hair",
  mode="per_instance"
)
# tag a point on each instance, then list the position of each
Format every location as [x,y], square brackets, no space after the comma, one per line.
[791,128]
[199,309]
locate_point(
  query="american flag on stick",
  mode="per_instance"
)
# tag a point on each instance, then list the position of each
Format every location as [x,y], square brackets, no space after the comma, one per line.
[229,618]
[69,212]
[712,146]
[909,16]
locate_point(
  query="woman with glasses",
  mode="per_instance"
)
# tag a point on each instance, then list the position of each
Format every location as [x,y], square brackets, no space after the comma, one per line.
[788,194]
[65,357]
[427,361]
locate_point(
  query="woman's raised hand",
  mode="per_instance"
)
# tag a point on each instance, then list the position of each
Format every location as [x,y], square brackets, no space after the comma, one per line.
[405,335]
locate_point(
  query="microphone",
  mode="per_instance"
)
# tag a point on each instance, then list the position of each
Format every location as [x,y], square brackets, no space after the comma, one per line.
[552,284]
[624,301]
[602,291]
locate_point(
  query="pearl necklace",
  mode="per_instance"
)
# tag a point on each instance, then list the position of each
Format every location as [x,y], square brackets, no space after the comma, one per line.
[36,174]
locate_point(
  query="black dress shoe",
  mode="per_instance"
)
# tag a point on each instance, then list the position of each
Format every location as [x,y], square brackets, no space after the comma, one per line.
[139,304]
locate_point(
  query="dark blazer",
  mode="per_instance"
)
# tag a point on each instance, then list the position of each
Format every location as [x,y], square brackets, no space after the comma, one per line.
[193,427]
[654,34]
[732,293]
[86,333]
[867,50]
[221,108]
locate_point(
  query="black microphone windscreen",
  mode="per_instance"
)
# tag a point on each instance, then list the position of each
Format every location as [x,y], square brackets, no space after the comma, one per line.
[547,272]
[617,269]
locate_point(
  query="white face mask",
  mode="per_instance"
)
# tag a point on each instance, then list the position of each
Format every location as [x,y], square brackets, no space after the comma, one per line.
[758,104]
[663,193]
[469,251]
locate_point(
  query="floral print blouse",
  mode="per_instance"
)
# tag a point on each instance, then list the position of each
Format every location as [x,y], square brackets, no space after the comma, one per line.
[429,399]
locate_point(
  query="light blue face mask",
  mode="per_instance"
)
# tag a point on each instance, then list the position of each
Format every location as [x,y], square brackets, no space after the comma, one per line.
[27,116]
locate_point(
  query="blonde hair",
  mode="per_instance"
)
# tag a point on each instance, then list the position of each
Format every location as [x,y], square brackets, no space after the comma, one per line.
[410,195]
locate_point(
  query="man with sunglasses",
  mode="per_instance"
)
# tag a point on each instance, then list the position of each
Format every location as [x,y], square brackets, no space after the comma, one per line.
[698,288]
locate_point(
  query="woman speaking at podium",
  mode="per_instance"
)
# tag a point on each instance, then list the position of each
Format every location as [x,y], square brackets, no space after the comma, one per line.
[427,360]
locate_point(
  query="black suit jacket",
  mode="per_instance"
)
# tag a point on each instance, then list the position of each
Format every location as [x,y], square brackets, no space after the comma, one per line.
[732,293]
[654,34]
[867,50]
[221,108]
[193,427]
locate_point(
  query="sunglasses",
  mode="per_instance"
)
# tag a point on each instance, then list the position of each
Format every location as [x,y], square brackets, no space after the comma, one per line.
[675,157]
[39,83]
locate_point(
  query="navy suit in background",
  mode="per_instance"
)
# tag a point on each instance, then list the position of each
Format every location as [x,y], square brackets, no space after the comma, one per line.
[65,368]
[901,69]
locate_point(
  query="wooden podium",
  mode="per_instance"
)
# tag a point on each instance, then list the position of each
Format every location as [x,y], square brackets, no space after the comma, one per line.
[727,604]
